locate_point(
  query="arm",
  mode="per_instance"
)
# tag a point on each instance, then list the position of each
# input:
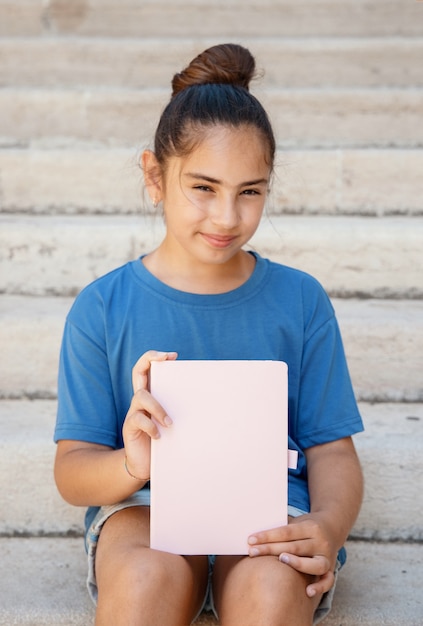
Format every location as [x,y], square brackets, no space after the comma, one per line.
[336,491]
[92,474]
[89,474]
[335,484]
[311,542]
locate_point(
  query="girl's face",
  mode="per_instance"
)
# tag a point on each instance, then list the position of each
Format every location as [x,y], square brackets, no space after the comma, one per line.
[213,198]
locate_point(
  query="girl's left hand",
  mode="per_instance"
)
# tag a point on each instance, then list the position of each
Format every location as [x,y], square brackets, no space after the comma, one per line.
[303,544]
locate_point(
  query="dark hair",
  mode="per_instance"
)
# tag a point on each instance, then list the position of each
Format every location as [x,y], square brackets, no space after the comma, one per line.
[212,90]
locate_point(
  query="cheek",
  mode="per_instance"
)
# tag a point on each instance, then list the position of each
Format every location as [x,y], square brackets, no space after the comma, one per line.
[195,204]
[253,214]
[185,212]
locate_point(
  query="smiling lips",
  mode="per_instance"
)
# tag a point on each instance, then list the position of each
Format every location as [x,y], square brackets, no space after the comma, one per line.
[218,241]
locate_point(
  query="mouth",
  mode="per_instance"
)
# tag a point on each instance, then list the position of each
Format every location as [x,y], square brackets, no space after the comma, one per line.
[218,241]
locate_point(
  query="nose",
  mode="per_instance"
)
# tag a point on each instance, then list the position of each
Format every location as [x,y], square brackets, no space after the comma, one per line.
[225,213]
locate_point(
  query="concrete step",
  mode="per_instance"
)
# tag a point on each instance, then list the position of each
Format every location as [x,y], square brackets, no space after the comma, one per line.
[237,18]
[44,583]
[82,180]
[393,472]
[380,584]
[32,505]
[390,449]
[140,64]
[127,117]
[351,256]
[383,342]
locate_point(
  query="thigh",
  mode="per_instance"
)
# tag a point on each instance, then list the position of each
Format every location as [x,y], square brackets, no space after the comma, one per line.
[261,590]
[124,531]
[161,587]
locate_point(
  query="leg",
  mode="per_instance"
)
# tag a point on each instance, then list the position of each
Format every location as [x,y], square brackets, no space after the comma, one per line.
[261,590]
[138,586]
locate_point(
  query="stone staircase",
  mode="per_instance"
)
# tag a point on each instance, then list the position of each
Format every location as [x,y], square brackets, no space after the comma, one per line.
[81,87]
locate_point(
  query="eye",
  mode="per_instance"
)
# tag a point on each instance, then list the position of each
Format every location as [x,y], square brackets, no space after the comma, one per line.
[203,188]
[251,192]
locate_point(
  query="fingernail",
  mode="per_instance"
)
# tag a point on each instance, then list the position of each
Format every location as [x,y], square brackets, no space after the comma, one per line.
[311,592]
[252,540]
[168,421]
[284,558]
[253,552]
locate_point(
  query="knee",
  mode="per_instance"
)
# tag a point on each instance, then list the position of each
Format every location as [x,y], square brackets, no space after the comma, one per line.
[145,572]
[270,593]
[269,585]
[281,587]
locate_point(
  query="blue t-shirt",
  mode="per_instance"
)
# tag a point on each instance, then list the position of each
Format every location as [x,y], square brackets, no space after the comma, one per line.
[278,314]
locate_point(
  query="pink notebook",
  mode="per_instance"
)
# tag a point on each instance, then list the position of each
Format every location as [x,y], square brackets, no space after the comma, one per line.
[220,472]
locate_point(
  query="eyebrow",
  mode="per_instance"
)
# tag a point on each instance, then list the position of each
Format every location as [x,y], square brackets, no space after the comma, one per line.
[210,179]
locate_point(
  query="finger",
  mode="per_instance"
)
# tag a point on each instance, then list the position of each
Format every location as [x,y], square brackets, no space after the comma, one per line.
[141,368]
[143,402]
[139,423]
[322,586]
[276,535]
[294,539]
[302,547]
[298,528]
[315,566]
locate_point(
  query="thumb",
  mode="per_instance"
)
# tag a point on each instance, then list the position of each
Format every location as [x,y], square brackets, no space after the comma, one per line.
[322,585]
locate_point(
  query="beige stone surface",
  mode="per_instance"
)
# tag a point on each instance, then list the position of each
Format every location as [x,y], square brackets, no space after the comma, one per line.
[71,181]
[383,343]
[351,256]
[30,335]
[237,18]
[108,180]
[382,181]
[390,450]
[143,63]
[31,504]
[301,117]
[21,18]
[82,85]
[45,585]
[384,346]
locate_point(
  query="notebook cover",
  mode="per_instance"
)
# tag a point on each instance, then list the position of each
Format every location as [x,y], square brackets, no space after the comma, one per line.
[220,472]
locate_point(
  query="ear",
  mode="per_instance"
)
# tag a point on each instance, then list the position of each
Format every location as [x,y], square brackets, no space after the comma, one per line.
[152,176]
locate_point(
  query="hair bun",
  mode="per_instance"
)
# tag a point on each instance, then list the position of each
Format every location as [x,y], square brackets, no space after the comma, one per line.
[224,64]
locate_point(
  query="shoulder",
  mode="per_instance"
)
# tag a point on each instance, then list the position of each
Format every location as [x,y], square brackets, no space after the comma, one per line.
[293,275]
[298,296]
[104,293]
[297,282]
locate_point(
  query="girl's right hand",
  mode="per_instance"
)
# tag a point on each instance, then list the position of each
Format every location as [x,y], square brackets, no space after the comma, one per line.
[139,427]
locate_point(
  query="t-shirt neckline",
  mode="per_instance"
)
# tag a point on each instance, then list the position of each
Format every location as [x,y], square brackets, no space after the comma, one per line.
[246,290]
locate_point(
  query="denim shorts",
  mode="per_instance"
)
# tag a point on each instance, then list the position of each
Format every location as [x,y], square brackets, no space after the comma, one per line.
[142,498]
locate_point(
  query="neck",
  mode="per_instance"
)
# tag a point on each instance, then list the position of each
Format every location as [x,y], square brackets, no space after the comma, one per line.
[185,275]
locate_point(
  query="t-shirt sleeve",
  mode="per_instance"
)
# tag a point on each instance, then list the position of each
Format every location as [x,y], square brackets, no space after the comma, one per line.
[327,408]
[86,406]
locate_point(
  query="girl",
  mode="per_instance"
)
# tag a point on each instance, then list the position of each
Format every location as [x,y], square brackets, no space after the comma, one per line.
[200,295]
